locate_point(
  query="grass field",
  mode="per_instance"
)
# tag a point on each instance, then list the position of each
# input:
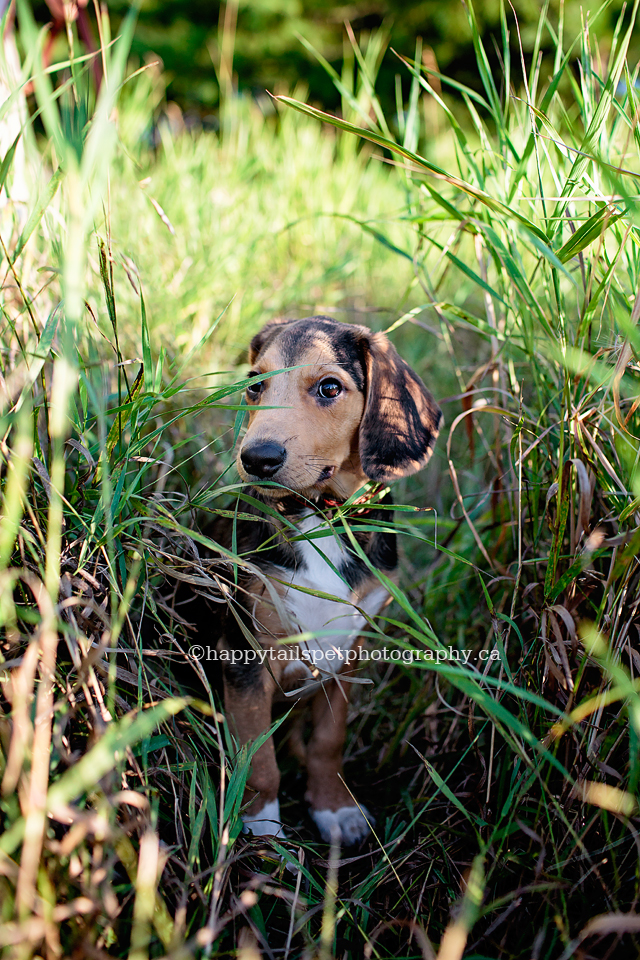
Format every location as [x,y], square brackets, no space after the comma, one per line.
[496,237]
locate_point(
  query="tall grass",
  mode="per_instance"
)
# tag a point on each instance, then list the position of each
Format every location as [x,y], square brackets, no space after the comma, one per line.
[257,221]
[503,257]
[537,221]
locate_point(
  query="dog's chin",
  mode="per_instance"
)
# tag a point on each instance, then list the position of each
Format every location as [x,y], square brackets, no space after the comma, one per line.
[272,494]
[312,491]
[291,485]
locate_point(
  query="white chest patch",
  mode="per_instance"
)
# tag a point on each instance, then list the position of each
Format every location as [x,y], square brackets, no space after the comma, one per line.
[334,623]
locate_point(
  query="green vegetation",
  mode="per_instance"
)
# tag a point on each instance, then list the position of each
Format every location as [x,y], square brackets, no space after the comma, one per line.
[503,258]
[260,42]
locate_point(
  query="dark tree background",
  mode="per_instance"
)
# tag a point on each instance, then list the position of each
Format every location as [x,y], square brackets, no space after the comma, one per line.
[268,54]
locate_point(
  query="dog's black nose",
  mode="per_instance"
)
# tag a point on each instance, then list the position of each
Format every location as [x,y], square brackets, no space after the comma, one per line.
[263,459]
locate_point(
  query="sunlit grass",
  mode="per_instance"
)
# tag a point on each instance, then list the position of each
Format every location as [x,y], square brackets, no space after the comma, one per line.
[258,224]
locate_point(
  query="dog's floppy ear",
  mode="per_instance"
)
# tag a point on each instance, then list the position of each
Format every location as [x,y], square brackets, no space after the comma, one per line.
[261,338]
[401,419]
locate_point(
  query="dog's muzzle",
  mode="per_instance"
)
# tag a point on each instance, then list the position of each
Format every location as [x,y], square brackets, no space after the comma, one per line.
[263,458]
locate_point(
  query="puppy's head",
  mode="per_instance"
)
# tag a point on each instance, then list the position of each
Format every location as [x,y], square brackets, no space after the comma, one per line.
[352,410]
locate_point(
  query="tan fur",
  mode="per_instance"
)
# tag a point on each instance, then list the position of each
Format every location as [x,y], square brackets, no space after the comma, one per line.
[325,788]
[314,437]
[249,717]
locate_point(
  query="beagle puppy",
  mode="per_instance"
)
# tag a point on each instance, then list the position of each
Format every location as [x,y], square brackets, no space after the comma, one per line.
[344,410]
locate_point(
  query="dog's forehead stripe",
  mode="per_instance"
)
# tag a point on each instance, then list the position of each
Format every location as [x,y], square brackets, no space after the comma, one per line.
[331,342]
[302,346]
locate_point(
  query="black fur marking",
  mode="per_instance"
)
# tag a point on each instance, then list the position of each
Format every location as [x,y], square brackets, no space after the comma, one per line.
[277,552]
[247,673]
[396,444]
[299,336]
[264,337]
[244,676]
[384,552]
[263,540]
[353,570]
[401,419]
[349,357]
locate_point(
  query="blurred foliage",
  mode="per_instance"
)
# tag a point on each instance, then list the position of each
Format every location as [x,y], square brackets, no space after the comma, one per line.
[264,37]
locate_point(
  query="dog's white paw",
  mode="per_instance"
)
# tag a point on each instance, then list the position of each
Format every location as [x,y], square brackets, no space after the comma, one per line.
[265,822]
[348,824]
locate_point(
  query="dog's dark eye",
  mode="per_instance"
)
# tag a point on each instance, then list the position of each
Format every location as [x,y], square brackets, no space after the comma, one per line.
[255,389]
[329,389]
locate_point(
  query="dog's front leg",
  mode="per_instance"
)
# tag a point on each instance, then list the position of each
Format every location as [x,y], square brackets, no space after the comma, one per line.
[248,708]
[332,806]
